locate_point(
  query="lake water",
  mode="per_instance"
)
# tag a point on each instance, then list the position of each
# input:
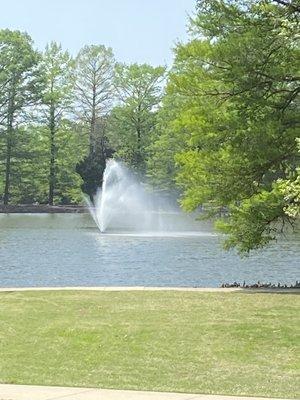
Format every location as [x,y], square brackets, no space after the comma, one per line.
[68,250]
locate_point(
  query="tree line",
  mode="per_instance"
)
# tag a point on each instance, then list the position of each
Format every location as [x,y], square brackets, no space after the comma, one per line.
[62,117]
[220,127]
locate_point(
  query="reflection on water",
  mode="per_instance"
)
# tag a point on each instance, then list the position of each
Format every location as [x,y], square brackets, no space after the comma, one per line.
[67,250]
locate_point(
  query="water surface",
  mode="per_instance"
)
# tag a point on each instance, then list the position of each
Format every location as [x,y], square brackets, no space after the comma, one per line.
[68,250]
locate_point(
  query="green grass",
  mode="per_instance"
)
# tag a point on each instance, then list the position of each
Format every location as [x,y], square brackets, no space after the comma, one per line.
[217,343]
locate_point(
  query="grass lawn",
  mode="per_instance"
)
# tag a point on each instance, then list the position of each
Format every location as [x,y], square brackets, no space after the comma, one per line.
[217,343]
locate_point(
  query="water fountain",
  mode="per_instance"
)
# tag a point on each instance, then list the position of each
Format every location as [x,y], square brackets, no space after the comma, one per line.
[125,204]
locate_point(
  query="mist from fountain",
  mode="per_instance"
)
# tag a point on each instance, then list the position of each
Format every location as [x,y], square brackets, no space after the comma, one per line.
[125,204]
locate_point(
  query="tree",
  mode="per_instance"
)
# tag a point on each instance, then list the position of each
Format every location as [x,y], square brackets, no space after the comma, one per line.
[238,83]
[30,182]
[20,87]
[168,139]
[72,147]
[139,90]
[290,188]
[94,93]
[29,167]
[91,168]
[57,67]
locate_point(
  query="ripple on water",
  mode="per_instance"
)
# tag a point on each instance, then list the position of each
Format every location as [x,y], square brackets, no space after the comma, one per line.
[66,250]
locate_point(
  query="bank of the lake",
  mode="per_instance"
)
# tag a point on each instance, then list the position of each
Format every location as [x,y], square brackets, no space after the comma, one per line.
[183,341]
[41,209]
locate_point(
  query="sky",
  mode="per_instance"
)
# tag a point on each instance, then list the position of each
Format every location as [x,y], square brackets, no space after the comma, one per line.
[142,31]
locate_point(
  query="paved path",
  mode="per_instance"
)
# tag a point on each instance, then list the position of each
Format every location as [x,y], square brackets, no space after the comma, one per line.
[24,392]
[147,288]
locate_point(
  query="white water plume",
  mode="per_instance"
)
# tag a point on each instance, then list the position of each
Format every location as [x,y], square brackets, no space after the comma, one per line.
[124,204]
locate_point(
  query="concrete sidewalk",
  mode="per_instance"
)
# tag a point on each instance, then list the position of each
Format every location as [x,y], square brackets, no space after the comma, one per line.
[24,392]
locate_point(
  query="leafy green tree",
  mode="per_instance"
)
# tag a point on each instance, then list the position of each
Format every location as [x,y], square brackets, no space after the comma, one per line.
[31,179]
[20,88]
[30,169]
[72,148]
[290,188]
[57,66]
[92,166]
[132,122]
[168,139]
[238,80]
[94,94]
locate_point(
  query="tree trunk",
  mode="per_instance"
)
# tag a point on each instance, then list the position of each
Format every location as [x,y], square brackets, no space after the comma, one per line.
[139,137]
[52,156]
[7,168]
[10,118]
[93,122]
[139,145]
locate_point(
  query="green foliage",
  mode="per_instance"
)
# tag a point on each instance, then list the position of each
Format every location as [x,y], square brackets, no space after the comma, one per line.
[33,142]
[57,66]
[94,96]
[31,173]
[291,191]
[94,87]
[91,168]
[20,88]
[20,75]
[168,139]
[72,148]
[132,121]
[238,84]
[250,223]
[290,188]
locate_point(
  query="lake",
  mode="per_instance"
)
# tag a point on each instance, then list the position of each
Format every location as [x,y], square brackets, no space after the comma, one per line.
[68,250]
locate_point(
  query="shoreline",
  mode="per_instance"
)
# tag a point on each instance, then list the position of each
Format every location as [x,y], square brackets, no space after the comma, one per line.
[42,209]
[149,289]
